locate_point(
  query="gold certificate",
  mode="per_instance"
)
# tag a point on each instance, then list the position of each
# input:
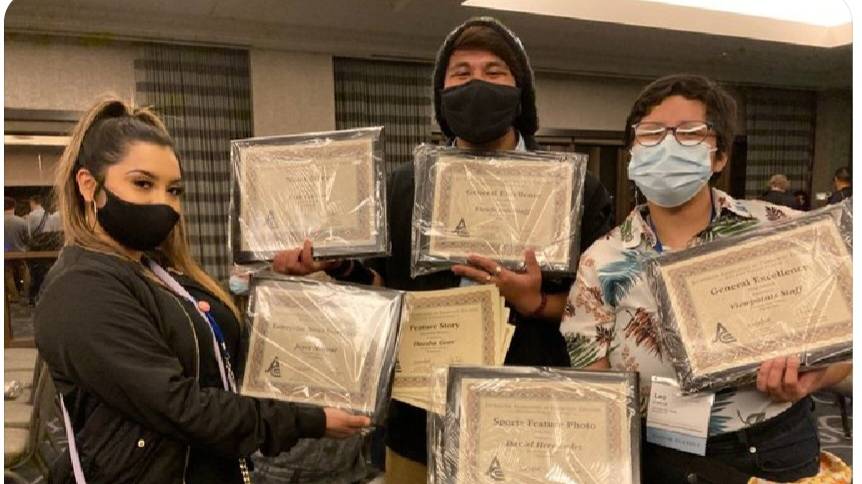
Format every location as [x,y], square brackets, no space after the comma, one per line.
[539,430]
[736,305]
[321,343]
[453,326]
[326,189]
[500,205]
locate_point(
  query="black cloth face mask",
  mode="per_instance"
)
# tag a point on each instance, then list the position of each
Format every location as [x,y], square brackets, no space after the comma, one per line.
[136,226]
[478,111]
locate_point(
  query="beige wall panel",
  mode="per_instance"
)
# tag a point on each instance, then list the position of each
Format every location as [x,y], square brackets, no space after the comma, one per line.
[291,92]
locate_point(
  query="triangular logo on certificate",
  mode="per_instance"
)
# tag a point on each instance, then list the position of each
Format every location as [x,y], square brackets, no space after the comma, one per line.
[461,228]
[495,471]
[722,335]
[271,220]
[274,368]
[397,366]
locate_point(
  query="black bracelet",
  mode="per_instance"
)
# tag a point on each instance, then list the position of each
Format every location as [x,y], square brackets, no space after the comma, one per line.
[343,268]
[356,273]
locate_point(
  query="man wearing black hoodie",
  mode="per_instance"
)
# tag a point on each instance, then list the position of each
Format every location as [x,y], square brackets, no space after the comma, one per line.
[484,97]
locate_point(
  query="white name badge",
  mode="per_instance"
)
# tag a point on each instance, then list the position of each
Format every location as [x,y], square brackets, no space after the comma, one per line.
[675,420]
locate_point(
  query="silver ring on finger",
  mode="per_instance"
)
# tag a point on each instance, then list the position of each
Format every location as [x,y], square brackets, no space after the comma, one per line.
[488,279]
[498,270]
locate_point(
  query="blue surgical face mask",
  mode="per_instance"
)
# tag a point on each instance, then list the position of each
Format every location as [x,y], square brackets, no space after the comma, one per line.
[670,174]
[238,285]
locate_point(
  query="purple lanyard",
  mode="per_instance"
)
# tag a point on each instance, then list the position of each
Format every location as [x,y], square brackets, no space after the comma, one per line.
[73,449]
[219,346]
[221,354]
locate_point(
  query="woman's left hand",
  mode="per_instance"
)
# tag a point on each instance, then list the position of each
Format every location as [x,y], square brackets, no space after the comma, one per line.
[781,380]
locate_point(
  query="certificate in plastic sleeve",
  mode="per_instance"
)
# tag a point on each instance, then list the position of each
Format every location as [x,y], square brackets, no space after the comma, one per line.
[496,205]
[546,426]
[729,305]
[326,344]
[325,187]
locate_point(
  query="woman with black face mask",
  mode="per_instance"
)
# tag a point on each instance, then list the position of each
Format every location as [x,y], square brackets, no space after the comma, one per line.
[142,344]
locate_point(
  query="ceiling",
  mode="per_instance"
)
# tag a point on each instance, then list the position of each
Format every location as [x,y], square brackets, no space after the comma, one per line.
[414,29]
[825,23]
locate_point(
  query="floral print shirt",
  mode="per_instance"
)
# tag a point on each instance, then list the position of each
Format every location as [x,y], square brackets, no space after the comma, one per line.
[611,311]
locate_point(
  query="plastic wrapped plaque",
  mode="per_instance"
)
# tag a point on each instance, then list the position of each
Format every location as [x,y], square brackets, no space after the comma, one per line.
[781,289]
[497,205]
[321,343]
[538,425]
[436,418]
[326,187]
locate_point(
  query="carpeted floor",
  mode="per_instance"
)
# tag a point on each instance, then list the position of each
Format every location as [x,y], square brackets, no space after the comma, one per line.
[832,436]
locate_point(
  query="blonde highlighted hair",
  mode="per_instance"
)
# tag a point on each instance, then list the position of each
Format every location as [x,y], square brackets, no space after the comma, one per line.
[100,139]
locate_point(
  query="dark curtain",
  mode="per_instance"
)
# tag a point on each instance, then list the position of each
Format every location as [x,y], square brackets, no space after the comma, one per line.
[204,97]
[396,95]
[780,134]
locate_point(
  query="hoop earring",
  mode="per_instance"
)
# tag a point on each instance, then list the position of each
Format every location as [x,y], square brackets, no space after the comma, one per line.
[95,214]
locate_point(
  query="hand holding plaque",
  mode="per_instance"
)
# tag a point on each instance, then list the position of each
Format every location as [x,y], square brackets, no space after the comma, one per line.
[729,305]
[326,344]
[328,188]
[496,205]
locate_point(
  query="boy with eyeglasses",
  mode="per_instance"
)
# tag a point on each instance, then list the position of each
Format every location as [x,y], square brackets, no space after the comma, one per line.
[680,132]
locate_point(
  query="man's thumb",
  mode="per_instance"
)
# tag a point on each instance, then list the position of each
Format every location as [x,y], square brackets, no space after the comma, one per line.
[532,265]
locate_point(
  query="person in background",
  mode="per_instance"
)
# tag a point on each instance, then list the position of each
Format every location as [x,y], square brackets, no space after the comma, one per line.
[778,192]
[16,276]
[680,133]
[802,201]
[39,212]
[37,216]
[43,235]
[14,228]
[141,343]
[53,223]
[484,98]
[842,183]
